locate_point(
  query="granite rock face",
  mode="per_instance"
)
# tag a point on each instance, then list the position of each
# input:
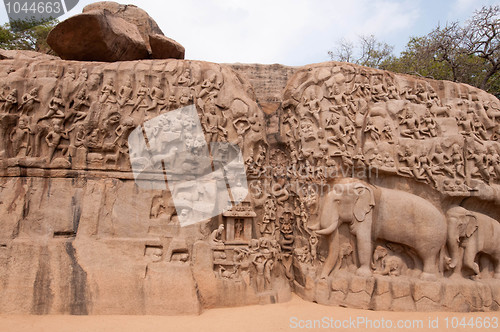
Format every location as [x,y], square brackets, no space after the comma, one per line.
[172,186]
[97,36]
[108,31]
[130,13]
[165,48]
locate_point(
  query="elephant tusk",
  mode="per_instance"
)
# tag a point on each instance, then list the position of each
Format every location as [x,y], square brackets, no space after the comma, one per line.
[327,231]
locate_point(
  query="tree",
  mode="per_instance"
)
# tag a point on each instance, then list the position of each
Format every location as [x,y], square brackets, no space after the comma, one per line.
[27,35]
[369,52]
[468,53]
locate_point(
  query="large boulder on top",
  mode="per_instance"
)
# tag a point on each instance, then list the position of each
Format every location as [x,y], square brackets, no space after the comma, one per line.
[97,36]
[164,48]
[130,13]
[108,31]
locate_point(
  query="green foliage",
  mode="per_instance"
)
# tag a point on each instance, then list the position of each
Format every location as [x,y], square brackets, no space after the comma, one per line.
[27,35]
[468,53]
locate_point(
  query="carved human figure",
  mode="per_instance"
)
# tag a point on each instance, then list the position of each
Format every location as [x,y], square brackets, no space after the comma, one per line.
[392,90]
[28,102]
[10,102]
[313,244]
[464,121]
[457,160]
[408,94]
[412,125]
[267,272]
[238,229]
[125,94]
[338,136]
[428,125]
[216,236]
[478,160]
[156,95]
[478,128]
[494,162]
[209,87]
[212,123]
[372,130]
[19,137]
[267,226]
[54,137]
[387,131]
[108,92]
[425,164]
[142,93]
[376,159]
[121,141]
[185,78]
[56,106]
[440,162]
[412,162]
[259,261]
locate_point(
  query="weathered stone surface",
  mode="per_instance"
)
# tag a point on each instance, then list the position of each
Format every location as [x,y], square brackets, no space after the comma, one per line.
[89,226]
[24,55]
[165,48]
[130,13]
[97,36]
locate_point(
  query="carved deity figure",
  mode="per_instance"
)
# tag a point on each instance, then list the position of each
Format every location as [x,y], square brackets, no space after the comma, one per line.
[212,123]
[440,162]
[19,137]
[412,125]
[54,137]
[157,96]
[372,130]
[108,92]
[142,93]
[125,94]
[56,106]
[10,102]
[28,101]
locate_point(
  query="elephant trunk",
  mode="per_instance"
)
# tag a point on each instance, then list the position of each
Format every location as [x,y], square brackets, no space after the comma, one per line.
[453,244]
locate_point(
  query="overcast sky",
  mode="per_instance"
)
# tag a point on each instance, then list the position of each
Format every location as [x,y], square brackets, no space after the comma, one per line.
[291,32]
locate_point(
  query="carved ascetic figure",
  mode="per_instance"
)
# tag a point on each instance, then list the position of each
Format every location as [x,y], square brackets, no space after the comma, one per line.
[382,214]
[477,233]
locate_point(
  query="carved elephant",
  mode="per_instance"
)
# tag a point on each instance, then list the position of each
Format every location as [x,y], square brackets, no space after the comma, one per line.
[475,232]
[375,213]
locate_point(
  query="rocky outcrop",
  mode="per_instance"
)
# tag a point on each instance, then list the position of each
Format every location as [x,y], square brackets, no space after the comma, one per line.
[130,13]
[107,31]
[97,36]
[165,48]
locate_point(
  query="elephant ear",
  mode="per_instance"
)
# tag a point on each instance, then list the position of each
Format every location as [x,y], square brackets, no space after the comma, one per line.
[364,202]
[471,224]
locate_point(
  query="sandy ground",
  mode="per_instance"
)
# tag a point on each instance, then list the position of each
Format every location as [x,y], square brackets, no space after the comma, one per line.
[288,316]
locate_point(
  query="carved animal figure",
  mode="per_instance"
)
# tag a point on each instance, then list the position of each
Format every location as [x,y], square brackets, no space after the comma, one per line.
[386,264]
[227,274]
[475,232]
[379,213]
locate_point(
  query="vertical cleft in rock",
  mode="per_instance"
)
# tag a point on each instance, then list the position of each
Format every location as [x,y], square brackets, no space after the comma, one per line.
[42,294]
[78,284]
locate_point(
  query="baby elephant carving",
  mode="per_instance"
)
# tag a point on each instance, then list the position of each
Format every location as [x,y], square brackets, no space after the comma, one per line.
[386,264]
